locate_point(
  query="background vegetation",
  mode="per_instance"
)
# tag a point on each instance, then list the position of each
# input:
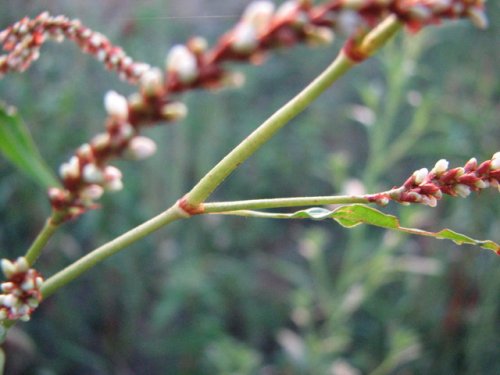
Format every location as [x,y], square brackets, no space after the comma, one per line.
[246,296]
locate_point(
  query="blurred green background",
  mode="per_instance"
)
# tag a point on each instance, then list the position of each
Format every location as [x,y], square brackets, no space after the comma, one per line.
[223,295]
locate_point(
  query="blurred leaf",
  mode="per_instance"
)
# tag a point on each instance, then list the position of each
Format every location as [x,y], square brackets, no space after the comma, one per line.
[18,147]
[353,215]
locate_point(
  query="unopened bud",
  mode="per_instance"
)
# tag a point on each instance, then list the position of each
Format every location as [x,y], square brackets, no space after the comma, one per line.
[116,105]
[92,192]
[495,161]
[440,167]
[92,174]
[8,268]
[319,36]
[140,147]
[70,169]
[244,38]
[113,178]
[151,82]
[258,14]
[174,111]
[181,61]
[478,17]
[462,190]
[420,175]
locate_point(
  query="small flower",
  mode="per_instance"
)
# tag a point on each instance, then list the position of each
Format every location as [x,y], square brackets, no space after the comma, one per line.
[244,38]
[116,105]
[182,62]
[92,174]
[151,82]
[258,15]
[440,167]
[70,169]
[174,111]
[140,147]
[113,178]
[420,175]
[462,190]
[495,161]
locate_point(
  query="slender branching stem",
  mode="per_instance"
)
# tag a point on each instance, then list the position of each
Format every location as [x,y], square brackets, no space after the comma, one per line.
[261,204]
[74,270]
[41,240]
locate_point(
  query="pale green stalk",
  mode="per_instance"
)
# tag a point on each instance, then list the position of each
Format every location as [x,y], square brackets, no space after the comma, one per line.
[74,270]
[41,240]
[261,204]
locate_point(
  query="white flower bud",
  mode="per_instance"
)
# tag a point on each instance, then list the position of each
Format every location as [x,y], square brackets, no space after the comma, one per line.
[10,300]
[174,111]
[8,268]
[478,17]
[85,151]
[140,148]
[258,14]
[92,192]
[180,60]
[28,285]
[100,141]
[440,167]
[70,169]
[244,38]
[151,81]
[462,190]
[495,161]
[92,174]
[22,264]
[482,184]
[420,175]
[116,105]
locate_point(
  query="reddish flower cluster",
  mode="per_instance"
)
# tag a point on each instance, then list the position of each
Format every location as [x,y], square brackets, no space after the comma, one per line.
[21,292]
[427,187]
[262,27]
[24,39]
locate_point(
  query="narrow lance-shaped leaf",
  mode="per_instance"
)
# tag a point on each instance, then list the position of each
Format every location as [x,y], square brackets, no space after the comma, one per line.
[352,215]
[18,147]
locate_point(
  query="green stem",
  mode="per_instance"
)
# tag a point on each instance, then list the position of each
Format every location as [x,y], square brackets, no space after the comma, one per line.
[41,240]
[74,270]
[259,204]
[264,132]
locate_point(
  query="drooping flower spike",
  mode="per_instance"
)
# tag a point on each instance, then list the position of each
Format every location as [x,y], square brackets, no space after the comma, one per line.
[427,187]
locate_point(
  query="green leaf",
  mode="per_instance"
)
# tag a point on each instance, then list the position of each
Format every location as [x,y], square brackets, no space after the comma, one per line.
[352,215]
[18,147]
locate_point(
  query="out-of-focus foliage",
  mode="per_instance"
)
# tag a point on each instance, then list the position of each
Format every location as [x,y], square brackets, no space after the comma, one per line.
[246,296]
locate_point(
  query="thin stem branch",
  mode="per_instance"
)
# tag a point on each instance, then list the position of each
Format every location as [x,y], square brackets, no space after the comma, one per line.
[41,240]
[260,204]
[74,270]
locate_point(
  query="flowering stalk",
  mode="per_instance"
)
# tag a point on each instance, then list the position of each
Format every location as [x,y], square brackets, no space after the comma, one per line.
[87,174]
[422,187]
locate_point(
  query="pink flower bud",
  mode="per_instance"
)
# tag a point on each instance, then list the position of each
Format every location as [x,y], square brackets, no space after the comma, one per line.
[91,192]
[113,178]
[116,105]
[140,147]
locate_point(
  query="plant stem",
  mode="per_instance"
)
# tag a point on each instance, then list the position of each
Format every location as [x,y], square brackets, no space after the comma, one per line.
[74,270]
[41,240]
[259,204]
